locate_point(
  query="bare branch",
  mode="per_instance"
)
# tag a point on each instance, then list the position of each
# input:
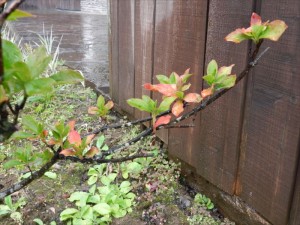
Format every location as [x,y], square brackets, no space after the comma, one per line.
[8,10]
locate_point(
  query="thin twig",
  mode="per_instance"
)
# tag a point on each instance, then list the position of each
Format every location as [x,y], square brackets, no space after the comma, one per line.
[8,10]
[99,160]
[35,175]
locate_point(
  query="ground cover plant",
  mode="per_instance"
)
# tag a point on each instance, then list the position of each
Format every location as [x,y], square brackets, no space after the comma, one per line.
[44,143]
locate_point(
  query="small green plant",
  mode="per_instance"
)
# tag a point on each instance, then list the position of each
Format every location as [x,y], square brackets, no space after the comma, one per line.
[202,220]
[40,222]
[102,108]
[10,208]
[203,201]
[100,204]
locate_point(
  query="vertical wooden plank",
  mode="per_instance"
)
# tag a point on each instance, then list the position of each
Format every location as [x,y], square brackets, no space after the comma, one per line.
[272,120]
[295,209]
[143,47]
[126,53]
[179,44]
[213,144]
[114,51]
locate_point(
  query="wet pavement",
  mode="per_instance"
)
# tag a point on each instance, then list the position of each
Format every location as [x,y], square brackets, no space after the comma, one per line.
[84,44]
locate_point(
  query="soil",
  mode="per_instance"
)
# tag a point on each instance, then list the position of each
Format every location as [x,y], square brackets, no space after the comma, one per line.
[168,203]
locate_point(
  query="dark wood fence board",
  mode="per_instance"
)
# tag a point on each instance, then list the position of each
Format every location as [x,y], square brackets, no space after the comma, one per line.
[126,53]
[215,145]
[272,121]
[246,146]
[179,44]
[295,209]
[114,51]
[143,48]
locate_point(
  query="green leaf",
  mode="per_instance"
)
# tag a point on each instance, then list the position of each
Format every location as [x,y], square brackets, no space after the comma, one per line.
[210,79]
[22,135]
[67,77]
[30,123]
[8,202]
[16,216]
[17,14]
[172,79]
[82,222]
[92,189]
[20,71]
[134,167]
[38,61]
[38,221]
[139,104]
[26,175]
[100,141]
[92,180]
[51,175]
[226,83]
[68,213]
[106,180]
[86,212]
[212,67]
[102,208]
[163,79]
[39,86]
[80,197]
[11,164]
[165,104]
[100,102]
[4,210]
[11,54]
[274,30]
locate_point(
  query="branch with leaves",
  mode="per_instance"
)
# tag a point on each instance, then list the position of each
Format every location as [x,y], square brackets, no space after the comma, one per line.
[64,142]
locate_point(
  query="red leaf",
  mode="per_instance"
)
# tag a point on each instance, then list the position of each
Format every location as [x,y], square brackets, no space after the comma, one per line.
[207,92]
[67,152]
[168,90]
[162,120]
[72,124]
[193,97]
[149,87]
[53,142]
[177,108]
[89,138]
[109,105]
[74,138]
[255,19]
[93,151]
[92,110]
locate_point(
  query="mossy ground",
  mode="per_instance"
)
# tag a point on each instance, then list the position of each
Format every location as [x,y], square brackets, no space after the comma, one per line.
[160,197]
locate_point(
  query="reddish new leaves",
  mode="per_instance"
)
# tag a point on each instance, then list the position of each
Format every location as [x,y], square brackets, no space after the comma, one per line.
[258,30]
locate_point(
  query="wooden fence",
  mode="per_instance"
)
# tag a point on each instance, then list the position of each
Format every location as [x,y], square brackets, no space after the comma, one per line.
[247,143]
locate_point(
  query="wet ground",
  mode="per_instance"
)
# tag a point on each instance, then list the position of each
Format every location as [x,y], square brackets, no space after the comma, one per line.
[84,45]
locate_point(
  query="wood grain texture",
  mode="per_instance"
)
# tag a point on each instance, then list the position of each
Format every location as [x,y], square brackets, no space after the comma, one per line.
[143,48]
[215,146]
[179,44]
[114,51]
[73,5]
[39,4]
[126,53]
[272,120]
[295,209]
